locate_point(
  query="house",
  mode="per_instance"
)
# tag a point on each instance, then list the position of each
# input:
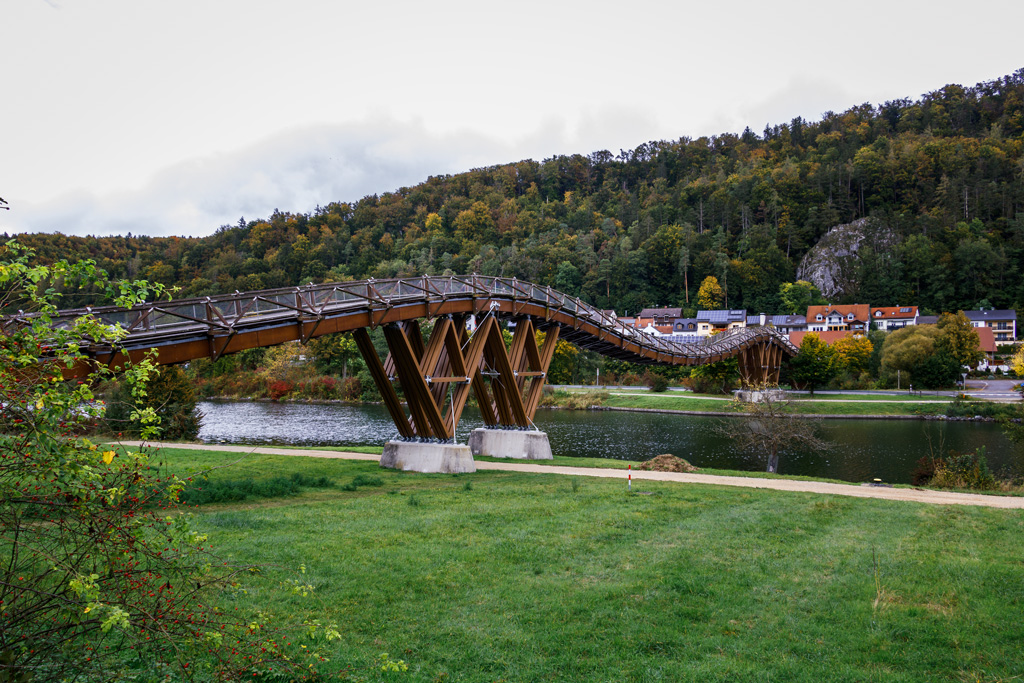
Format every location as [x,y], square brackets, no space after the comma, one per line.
[661,316]
[684,326]
[1003,323]
[788,323]
[783,323]
[894,317]
[656,330]
[711,322]
[835,318]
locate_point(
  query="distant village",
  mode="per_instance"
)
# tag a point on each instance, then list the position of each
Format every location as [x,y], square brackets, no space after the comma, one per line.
[830,322]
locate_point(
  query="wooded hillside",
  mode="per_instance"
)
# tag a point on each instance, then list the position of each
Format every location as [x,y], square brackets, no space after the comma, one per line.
[944,173]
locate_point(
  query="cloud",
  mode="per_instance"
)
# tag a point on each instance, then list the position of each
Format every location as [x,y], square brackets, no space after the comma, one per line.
[301,168]
[292,171]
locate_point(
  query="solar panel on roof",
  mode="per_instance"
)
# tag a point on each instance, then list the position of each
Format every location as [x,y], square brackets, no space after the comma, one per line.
[904,310]
[719,316]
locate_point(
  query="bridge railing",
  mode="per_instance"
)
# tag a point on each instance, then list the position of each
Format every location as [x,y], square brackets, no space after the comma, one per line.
[335,298]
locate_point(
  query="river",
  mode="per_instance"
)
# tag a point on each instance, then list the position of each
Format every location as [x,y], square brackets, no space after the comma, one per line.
[862,449]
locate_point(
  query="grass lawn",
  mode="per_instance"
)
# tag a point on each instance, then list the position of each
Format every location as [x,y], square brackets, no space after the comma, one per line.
[527,577]
[838,405]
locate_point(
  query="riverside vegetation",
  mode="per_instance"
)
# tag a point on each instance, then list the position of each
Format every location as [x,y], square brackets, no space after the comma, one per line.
[507,576]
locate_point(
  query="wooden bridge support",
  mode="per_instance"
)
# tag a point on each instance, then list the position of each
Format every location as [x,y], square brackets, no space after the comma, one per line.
[760,364]
[443,370]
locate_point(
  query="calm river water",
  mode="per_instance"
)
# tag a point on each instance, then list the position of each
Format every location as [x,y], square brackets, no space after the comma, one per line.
[862,449]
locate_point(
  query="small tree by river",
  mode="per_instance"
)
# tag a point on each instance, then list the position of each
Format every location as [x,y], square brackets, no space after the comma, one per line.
[768,428]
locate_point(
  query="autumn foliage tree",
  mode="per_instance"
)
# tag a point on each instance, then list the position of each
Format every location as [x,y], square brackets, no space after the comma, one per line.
[710,296]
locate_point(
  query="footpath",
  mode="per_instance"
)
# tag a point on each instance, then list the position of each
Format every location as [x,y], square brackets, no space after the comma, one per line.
[826,488]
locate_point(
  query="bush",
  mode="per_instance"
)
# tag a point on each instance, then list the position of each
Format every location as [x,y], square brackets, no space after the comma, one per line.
[656,382]
[279,389]
[963,471]
[999,411]
[353,389]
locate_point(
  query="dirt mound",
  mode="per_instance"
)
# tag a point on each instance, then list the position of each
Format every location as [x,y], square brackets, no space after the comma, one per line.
[667,462]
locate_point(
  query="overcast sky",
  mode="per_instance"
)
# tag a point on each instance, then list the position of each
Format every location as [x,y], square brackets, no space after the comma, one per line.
[159,117]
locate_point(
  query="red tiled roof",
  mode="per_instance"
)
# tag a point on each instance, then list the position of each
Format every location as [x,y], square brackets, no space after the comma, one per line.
[829,337]
[986,339]
[860,312]
[893,312]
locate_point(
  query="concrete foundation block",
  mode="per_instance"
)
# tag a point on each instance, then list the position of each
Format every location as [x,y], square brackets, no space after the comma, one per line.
[412,456]
[510,443]
[748,396]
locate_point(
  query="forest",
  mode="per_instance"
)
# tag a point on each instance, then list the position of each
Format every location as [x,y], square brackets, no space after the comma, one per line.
[944,174]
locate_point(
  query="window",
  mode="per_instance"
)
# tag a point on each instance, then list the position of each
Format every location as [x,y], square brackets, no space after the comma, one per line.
[819,317]
[850,316]
[878,314]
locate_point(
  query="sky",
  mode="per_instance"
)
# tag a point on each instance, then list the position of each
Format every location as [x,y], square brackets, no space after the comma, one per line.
[175,118]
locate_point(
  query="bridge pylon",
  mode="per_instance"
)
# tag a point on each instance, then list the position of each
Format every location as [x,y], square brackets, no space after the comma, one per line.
[436,378]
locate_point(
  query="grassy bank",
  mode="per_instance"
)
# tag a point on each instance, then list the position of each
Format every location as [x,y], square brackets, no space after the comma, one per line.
[515,577]
[830,404]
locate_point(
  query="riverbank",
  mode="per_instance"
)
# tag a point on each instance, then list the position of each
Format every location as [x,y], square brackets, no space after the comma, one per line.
[521,576]
[835,406]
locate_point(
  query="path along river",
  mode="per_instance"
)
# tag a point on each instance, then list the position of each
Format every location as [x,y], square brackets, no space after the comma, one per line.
[861,449]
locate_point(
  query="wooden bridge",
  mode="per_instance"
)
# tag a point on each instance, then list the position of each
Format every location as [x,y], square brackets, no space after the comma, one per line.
[436,374]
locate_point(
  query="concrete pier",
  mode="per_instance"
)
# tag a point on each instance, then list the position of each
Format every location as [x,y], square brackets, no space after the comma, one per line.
[758,395]
[414,456]
[510,443]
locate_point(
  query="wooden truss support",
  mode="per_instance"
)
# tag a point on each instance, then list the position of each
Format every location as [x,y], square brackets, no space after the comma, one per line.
[510,370]
[760,364]
[443,371]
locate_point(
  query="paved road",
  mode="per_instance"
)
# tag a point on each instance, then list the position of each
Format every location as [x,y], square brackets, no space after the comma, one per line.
[1000,390]
[854,490]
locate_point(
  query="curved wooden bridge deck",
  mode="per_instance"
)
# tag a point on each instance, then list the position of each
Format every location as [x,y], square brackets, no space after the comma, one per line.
[450,362]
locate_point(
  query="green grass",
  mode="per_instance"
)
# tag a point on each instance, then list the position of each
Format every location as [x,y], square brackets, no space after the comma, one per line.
[793,396]
[522,577]
[802,406]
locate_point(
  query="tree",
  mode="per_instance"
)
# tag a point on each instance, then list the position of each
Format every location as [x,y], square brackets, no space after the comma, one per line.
[814,365]
[936,371]
[568,279]
[563,361]
[335,354]
[169,393]
[959,339]
[715,378]
[797,296]
[710,295]
[95,578]
[1017,362]
[684,268]
[853,354]
[905,349]
[769,429]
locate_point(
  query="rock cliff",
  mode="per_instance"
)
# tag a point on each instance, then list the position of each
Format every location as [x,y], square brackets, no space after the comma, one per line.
[833,265]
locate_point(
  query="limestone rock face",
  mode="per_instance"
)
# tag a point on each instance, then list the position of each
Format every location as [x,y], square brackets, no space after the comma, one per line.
[833,264]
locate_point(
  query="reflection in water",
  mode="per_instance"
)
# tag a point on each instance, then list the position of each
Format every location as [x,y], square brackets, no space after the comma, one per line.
[863,449]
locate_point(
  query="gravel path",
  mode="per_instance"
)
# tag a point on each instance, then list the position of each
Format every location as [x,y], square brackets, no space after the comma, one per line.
[854,490]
